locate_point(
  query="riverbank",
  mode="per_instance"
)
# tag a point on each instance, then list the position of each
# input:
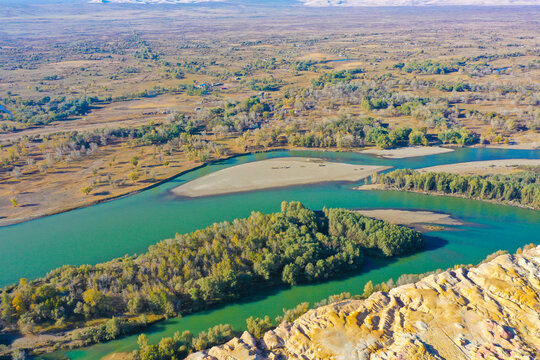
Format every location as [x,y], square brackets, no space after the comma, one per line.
[483,167]
[407,152]
[370,187]
[55,204]
[48,342]
[518,146]
[61,196]
[274,173]
[509,182]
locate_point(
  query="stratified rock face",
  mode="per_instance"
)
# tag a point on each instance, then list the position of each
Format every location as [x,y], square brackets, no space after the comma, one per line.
[488,312]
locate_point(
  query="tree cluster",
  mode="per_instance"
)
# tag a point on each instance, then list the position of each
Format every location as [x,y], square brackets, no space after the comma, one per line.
[46,110]
[521,187]
[209,266]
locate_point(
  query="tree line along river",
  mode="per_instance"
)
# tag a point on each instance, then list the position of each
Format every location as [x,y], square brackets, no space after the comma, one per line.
[129,225]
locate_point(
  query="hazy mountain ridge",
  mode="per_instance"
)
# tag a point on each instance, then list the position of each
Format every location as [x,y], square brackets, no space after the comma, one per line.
[321,3]
[152,1]
[418,2]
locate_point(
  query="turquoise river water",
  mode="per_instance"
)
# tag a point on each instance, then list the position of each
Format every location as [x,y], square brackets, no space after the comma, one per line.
[129,225]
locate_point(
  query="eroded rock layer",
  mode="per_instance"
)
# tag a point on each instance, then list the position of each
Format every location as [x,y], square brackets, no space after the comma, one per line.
[491,311]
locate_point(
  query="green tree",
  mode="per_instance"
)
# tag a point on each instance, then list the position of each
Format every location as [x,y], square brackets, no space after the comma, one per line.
[366,105]
[134,161]
[135,304]
[95,302]
[113,328]
[368,289]
[417,138]
[257,326]
[6,310]
[291,274]
[383,141]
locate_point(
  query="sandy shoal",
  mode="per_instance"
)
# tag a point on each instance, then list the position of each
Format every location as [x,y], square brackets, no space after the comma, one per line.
[405,152]
[521,146]
[273,173]
[410,217]
[370,187]
[483,167]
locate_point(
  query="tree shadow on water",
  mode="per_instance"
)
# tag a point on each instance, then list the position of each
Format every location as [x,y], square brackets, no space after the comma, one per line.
[256,293]
[434,243]
[260,292]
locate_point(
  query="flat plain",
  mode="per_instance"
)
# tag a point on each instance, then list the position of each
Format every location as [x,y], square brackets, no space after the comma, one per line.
[83,98]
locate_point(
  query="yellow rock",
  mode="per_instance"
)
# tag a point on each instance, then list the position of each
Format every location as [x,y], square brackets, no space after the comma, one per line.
[491,311]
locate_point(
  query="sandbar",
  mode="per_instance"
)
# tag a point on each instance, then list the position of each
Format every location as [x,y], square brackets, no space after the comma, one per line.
[415,219]
[522,146]
[274,173]
[483,167]
[406,152]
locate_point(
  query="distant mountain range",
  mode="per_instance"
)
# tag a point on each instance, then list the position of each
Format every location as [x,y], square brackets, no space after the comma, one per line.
[153,1]
[273,3]
[418,2]
[320,3]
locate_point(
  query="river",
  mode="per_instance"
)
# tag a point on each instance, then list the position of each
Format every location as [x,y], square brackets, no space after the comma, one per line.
[129,225]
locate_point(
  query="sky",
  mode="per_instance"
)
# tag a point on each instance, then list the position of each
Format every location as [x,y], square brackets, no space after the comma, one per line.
[358,2]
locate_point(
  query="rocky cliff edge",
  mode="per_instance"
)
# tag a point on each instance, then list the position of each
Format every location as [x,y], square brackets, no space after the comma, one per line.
[491,311]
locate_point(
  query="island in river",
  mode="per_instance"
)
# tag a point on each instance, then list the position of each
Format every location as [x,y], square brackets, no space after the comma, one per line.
[513,181]
[274,173]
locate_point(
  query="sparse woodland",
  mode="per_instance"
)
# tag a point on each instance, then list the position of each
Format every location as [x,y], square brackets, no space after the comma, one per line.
[81,110]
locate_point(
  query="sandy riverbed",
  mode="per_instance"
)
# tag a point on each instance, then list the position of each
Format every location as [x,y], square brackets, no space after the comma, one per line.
[521,146]
[406,152]
[483,167]
[415,219]
[273,173]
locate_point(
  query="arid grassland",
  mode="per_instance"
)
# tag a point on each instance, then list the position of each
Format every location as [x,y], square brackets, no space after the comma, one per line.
[98,101]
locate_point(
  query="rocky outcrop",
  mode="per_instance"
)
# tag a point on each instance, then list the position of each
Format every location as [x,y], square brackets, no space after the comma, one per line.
[491,311]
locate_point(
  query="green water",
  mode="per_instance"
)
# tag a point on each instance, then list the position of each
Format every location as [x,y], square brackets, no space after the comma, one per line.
[129,225]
